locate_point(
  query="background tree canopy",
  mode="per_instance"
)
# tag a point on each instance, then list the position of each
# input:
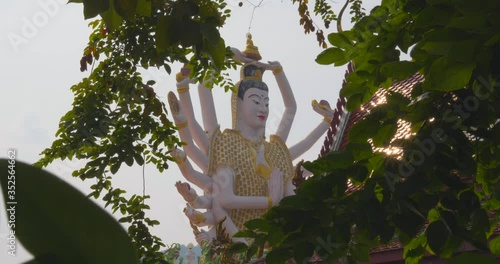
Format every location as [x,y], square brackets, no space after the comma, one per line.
[433,204]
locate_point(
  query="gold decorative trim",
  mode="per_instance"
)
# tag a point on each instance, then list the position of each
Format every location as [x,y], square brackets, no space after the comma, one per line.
[181,162]
[182,125]
[234,108]
[179,77]
[278,71]
[182,89]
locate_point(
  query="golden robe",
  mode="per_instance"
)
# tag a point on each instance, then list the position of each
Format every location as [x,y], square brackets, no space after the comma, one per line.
[231,149]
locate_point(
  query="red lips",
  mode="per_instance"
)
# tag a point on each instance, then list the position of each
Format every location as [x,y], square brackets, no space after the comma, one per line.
[261,117]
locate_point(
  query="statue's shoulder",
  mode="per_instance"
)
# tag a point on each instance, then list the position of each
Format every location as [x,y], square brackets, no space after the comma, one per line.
[277,143]
[221,149]
[277,140]
[225,137]
[231,134]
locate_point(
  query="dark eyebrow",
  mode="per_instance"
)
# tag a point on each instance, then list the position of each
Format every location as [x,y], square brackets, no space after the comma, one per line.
[266,99]
[258,96]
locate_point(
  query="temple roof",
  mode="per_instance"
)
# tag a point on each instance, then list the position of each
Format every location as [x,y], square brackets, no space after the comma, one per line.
[337,139]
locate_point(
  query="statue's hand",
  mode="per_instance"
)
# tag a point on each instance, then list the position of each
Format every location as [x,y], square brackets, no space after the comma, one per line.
[239,56]
[182,77]
[203,237]
[323,108]
[275,185]
[269,66]
[194,216]
[186,191]
[178,154]
[176,108]
[273,65]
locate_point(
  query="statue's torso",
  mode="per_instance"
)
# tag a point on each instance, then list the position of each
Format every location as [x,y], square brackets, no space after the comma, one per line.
[230,149]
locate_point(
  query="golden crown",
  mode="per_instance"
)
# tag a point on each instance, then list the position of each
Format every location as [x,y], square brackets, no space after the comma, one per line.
[251,72]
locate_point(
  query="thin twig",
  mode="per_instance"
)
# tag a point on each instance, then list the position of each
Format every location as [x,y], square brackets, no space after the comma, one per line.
[253,11]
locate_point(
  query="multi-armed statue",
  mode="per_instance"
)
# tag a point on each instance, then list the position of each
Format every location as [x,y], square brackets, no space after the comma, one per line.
[243,174]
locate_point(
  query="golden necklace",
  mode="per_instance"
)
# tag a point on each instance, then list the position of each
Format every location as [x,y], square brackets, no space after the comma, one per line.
[261,169]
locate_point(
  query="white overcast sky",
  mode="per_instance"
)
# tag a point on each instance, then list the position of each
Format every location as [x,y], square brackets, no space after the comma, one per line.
[41,43]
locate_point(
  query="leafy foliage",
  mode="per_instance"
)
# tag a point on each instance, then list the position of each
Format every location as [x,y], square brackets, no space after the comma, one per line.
[442,190]
[58,224]
[117,118]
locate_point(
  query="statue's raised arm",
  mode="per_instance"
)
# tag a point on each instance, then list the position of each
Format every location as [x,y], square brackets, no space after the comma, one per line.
[198,134]
[181,122]
[288,100]
[322,108]
[208,113]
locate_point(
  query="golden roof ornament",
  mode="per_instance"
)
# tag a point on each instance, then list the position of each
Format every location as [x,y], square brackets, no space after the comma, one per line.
[251,50]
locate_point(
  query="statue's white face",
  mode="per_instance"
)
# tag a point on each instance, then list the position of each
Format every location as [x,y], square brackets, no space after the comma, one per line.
[255,108]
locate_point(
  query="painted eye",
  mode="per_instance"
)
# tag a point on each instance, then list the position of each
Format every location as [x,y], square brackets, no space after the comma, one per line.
[267,105]
[256,102]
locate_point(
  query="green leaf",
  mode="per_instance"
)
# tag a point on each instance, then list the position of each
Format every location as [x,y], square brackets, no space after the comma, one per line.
[469,257]
[112,19]
[354,102]
[129,160]
[246,233]
[360,151]
[463,51]
[357,173]
[139,159]
[437,236]
[433,215]
[126,8]
[331,56]
[363,130]
[399,70]
[278,256]
[379,12]
[216,51]
[473,22]
[413,256]
[275,237]
[446,75]
[414,249]
[164,33]
[361,252]
[258,224]
[339,40]
[445,35]
[495,245]
[433,16]
[115,167]
[480,222]
[143,7]
[92,8]
[238,248]
[68,225]
[384,135]
[335,159]
[303,252]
